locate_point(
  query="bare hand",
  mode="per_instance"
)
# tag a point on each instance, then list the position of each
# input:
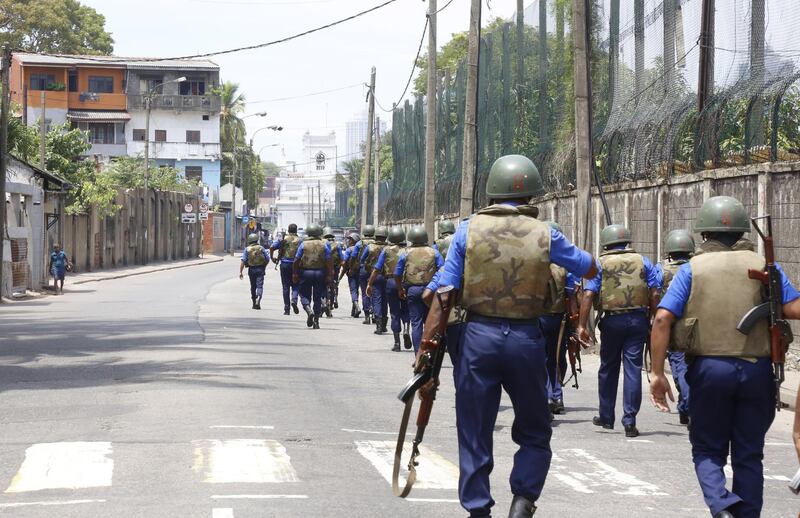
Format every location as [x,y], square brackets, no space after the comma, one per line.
[659,390]
[241,276]
[402,294]
[369,291]
[584,336]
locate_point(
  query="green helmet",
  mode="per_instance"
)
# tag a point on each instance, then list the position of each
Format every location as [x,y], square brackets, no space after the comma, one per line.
[368,230]
[355,237]
[722,214]
[418,236]
[397,235]
[314,230]
[252,238]
[614,235]
[554,225]
[679,241]
[446,227]
[327,232]
[514,176]
[382,232]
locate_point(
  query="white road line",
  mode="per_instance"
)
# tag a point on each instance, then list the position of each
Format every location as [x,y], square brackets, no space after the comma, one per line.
[647,441]
[352,430]
[778,444]
[585,473]
[243,460]
[259,497]
[245,427]
[780,478]
[222,513]
[433,472]
[64,465]
[443,500]
[48,503]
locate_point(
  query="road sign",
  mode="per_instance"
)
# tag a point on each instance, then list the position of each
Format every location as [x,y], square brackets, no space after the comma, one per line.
[188,208]
[245,219]
[203,208]
[203,216]
[188,217]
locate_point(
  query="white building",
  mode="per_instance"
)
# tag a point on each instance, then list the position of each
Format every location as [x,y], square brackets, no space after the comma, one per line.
[356,135]
[313,176]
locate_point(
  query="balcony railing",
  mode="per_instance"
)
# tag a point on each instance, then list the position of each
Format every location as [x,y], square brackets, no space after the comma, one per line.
[210,103]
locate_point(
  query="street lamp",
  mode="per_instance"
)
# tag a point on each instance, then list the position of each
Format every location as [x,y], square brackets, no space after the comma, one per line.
[265,147]
[233,176]
[148,101]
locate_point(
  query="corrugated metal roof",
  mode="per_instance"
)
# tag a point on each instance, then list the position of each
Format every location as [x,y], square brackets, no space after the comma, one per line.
[77,115]
[115,61]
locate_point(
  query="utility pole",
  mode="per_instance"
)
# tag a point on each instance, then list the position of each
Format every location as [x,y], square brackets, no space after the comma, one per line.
[430,130]
[4,107]
[43,131]
[520,51]
[757,27]
[368,151]
[319,200]
[544,135]
[583,154]
[705,85]
[471,128]
[376,188]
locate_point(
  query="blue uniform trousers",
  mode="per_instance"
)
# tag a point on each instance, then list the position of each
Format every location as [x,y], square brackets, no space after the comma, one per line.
[677,364]
[288,285]
[454,334]
[731,408]
[495,354]
[379,302]
[312,289]
[363,277]
[397,308]
[417,313]
[352,283]
[551,326]
[256,275]
[622,338]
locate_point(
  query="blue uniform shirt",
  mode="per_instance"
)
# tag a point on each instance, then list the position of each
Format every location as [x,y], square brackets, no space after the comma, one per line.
[275,246]
[652,273]
[562,252]
[401,263]
[264,252]
[681,287]
[364,253]
[572,281]
[301,249]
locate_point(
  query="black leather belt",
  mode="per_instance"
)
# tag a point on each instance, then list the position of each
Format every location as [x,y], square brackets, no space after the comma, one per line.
[474,317]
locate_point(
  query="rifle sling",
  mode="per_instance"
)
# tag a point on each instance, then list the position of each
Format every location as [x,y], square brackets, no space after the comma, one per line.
[398,453]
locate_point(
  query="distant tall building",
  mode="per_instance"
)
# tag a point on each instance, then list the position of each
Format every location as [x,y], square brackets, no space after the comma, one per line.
[356,135]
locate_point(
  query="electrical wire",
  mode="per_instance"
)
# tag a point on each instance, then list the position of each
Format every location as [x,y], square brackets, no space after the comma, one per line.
[443,8]
[411,75]
[279,99]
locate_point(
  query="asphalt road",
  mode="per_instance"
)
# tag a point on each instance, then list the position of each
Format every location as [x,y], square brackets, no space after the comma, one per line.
[165,395]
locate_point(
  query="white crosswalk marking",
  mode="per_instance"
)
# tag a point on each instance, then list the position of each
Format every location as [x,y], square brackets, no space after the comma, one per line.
[585,473]
[222,513]
[64,465]
[780,478]
[433,472]
[243,460]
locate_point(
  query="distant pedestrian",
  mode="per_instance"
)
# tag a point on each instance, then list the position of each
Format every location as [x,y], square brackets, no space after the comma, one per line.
[256,260]
[59,264]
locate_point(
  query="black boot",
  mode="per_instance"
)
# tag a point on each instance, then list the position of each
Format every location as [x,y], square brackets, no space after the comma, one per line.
[378,329]
[384,321]
[294,308]
[367,318]
[258,303]
[254,303]
[599,422]
[316,322]
[356,310]
[631,431]
[310,319]
[286,310]
[558,407]
[521,507]
[328,313]
[407,343]
[724,514]
[396,347]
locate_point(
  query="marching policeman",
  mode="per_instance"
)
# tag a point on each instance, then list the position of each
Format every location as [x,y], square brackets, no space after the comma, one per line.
[554,326]
[313,268]
[376,283]
[446,231]
[256,260]
[363,274]
[287,249]
[351,270]
[412,274]
[500,261]
[385,266]
[627,291]
[337,258]
[732,402]
[680,248]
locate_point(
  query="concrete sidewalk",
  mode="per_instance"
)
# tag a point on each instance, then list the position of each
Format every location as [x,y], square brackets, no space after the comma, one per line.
[119,273]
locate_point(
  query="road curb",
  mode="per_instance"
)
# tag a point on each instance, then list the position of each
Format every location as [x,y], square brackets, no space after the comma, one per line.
[163,269]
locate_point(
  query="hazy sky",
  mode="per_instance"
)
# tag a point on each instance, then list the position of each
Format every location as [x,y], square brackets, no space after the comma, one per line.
[334,58]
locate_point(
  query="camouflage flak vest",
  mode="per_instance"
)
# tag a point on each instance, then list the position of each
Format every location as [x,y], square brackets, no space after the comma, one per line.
[373,253]
[352,259]
[558,287]
[670,269]
[624,285]
[392,256]
[721,295]
[420,265]
[335,249]
[289,246]
[255,256]
[507,264]
[443,244]
[313,254]
[364,245]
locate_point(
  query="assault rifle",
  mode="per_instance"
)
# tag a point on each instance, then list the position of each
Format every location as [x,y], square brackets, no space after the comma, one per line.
[426,382]
[780,334]
[574,345]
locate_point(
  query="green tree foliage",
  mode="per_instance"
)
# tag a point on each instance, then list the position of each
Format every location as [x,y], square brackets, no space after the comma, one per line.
[57,26]
[446,59]
[271,169]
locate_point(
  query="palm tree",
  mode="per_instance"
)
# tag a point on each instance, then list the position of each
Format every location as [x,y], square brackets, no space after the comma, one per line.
[231,125]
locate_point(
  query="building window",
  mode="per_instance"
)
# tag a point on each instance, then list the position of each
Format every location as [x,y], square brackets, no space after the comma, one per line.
[194,172]
[73,81]
[101,132]
[146,84]
[139,135]
[161,136]
[206,117]
[42,81]
[192,136]
[320,159]
[193,87]
[101,84]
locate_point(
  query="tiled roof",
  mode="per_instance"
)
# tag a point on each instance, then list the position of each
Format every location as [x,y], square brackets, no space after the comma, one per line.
[116,61]
[76,115]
